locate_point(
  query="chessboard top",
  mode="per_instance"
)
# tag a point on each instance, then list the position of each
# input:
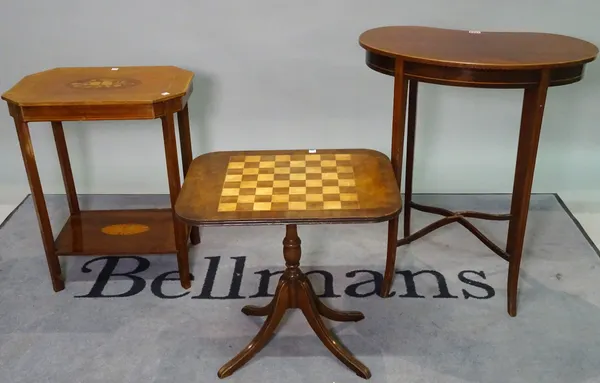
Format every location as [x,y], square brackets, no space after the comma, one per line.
[289,186]
[82,93]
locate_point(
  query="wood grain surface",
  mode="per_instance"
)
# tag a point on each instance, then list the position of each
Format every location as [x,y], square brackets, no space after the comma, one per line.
[478,49]
[292,186]
[100,93]
[117,232]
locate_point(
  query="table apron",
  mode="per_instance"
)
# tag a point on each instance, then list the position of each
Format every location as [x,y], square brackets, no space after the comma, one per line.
[148,111]
[475,78]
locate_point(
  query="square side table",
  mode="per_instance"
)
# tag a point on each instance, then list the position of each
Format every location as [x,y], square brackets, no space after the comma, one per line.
[104,93]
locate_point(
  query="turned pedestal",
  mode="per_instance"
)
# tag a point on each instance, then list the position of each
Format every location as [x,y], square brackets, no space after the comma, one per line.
[294,291]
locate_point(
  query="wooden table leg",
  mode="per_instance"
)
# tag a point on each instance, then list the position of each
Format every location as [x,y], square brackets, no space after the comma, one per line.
[398,127]
[534,101]
[65,166]
[185,141]
[294,290]
[170,141]
[390,263]
[39,202]
[410,152]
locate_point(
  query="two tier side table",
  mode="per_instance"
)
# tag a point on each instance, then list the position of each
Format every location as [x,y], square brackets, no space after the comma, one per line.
[107,93]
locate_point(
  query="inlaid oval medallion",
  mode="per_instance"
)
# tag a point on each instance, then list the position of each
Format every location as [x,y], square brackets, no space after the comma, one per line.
[104,83]
[125,229]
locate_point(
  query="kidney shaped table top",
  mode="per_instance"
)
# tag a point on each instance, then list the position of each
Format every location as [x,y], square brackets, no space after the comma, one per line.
[478,58]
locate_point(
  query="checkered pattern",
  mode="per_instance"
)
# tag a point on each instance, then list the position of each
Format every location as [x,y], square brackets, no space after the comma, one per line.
[289,182]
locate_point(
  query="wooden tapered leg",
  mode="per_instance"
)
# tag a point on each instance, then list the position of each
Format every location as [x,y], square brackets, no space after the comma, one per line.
[410,152]
[324,310]
[179,227]
[534,101]
[294,290]
[261,311]
[398,127]
[307,303]
[332,314]
[185,141]
[390,262]
[39,202]
[65,166]
[280,306]
[399,119]
[337,315]
[258,311]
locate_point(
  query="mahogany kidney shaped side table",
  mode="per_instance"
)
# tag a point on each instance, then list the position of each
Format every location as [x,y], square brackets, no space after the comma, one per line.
[531,61]
[105,93]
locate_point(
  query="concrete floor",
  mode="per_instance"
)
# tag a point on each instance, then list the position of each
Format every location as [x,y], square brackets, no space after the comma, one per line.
[585,208]
[457,332]
[5,211]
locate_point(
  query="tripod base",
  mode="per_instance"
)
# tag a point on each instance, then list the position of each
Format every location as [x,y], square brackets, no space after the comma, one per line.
[294,291]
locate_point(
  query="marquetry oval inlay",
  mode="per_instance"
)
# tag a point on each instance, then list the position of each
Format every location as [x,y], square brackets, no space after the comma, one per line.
[125,229]
[104,83]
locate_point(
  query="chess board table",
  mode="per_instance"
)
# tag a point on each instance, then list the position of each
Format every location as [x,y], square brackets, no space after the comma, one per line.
[291,188]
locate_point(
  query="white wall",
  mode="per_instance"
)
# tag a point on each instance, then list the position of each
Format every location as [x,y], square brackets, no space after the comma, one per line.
[274,74]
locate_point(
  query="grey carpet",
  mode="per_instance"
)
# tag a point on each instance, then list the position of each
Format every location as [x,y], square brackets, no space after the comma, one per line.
[457,333]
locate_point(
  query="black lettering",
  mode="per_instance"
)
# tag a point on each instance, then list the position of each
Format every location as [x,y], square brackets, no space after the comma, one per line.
[156,285]
[108,271]
[211,273]
[489,290]
[352,290]
[263,284]
[411,290]
[328,283]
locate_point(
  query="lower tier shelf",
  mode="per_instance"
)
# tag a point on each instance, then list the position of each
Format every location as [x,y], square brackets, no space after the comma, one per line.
[117,232]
